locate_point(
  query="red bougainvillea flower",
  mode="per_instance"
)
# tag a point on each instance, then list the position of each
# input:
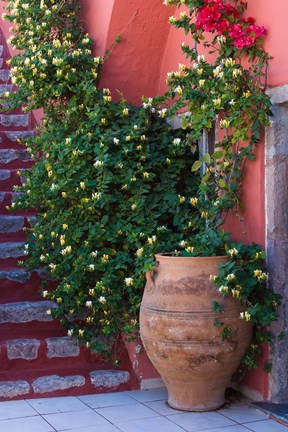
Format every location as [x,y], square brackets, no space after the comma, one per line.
[259,31]
[236,31]
[225,18]
[207,17]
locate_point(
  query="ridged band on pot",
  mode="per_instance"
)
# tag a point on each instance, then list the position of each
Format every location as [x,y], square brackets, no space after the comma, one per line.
[178,331]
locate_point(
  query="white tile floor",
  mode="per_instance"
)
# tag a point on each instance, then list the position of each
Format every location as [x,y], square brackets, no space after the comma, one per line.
[133,411]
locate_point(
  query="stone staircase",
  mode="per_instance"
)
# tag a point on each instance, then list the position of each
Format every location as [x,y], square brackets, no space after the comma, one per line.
[37,358]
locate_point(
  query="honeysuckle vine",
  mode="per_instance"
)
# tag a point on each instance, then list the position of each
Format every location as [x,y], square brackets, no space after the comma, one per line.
[110,186]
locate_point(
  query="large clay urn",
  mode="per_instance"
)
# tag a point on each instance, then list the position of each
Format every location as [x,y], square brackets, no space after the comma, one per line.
[179,335]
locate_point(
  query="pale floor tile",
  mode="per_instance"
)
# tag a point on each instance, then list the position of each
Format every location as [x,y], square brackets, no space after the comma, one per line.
[163,408]
[158,424]
[56,405]
[242,415]
[106,400]
[15,409]
[128,412]
[27,424]
[193,422]
[266,426]
[74,419]
[148,395]
[97,428]
[237,428]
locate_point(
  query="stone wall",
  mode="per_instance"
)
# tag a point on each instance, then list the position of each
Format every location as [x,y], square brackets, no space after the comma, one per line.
[276,171]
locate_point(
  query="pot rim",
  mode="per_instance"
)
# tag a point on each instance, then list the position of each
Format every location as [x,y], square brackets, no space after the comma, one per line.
[169,255]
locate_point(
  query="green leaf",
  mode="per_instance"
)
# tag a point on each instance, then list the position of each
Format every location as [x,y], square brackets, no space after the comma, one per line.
[206,158]
[222,184]
[218,154]
[216,306]
[218,323]
[104,219]
[196,165]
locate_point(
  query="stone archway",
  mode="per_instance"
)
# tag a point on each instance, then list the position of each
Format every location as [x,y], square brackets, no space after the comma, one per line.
[276,171]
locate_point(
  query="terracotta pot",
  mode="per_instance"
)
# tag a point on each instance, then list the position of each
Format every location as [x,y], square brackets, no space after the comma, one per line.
[178,331]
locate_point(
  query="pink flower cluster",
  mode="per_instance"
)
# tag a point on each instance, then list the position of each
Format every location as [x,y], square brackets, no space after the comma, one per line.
[217,16]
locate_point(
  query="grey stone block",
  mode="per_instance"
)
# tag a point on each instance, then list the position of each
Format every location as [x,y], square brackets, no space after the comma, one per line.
[279,95]
[5,87]
[23,312]
[1,49]
[26,349]
[51,383]
[11,250]
[9,224]
[109,378]
[14,135]
[10,155]
[62,347]
[4,74]
[20,276]
[16,120]
[10,389]
[4,174]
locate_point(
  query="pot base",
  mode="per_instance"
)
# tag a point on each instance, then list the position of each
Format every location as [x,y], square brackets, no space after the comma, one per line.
[194,408]
[194,396]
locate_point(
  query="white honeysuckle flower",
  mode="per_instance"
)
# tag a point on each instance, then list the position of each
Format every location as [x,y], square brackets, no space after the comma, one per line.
[152,239]
[98,163]
[129,281]
[102,299]
[176,141]
[96,196]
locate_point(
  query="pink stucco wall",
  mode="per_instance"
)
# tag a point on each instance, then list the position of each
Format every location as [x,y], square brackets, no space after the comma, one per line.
[134,66]
[273,15]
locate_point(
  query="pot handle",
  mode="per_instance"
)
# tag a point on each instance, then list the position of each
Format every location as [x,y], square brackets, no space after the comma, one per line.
[149,278]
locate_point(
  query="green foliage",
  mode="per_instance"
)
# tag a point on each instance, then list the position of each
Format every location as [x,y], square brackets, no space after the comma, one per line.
[110,184]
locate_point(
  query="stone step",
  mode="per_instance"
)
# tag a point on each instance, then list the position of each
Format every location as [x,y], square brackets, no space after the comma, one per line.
[6,198]
[9,178]
[15,275]
[10,156]
[54,347]
[4,74]
[58,384]
[12,250]
[11,228]
[25,312]
[13,136]
[11,224]
[5,87]
[17,284]
[14,120]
